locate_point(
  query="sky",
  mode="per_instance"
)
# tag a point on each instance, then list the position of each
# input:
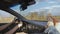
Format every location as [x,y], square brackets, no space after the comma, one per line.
[52,5]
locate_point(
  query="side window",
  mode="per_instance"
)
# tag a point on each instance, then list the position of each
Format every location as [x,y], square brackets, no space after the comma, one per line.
[5,17]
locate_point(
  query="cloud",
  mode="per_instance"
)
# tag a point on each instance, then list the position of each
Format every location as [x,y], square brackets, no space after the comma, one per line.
[50,7]
[52,2]
[46,8]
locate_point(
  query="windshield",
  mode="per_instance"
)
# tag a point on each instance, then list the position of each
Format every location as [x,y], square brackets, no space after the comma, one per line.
[38,11]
